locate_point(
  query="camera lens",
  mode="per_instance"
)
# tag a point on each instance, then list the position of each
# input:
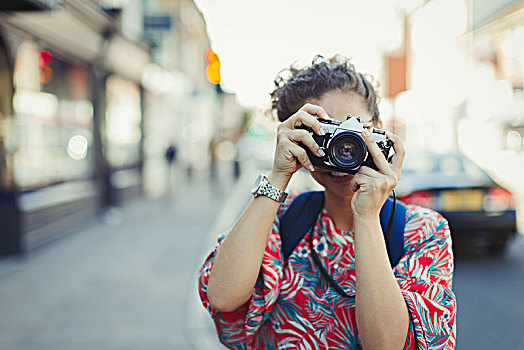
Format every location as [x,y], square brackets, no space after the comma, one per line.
[347,150]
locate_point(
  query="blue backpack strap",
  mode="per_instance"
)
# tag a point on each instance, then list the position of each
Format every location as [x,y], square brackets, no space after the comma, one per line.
[302,214]
[297,220]
[395,241]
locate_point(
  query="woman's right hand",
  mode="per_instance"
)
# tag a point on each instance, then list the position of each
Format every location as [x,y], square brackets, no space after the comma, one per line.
[289,155]
[237,263]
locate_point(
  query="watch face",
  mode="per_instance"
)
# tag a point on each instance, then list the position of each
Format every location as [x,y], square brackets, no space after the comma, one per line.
[257,184]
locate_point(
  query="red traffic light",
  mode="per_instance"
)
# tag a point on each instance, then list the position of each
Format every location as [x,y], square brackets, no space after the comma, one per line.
[44,58]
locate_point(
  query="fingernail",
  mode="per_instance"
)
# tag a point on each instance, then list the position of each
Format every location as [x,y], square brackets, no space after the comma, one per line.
[311,168]
[321,152]
[321,132]
[365,132]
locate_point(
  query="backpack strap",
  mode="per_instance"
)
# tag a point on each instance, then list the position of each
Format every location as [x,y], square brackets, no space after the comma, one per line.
[393,223]
[298,219]
[302,215]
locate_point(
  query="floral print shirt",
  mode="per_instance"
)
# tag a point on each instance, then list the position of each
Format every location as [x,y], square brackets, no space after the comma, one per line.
[293,307]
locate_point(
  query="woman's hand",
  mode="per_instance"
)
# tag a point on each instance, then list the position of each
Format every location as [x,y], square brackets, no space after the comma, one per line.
[372,187]
[289,155]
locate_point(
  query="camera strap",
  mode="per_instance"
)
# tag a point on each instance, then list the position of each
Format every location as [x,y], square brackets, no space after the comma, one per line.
[303,212]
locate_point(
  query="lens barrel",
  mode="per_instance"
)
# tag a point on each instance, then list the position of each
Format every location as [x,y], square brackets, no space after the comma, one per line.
[347,150]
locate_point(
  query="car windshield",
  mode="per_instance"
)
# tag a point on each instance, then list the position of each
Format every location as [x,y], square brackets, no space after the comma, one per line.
[447,165]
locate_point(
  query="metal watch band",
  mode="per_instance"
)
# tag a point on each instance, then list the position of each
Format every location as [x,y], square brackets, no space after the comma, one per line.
[266,189]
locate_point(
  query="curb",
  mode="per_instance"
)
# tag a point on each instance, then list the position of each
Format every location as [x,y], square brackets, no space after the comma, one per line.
[200,329]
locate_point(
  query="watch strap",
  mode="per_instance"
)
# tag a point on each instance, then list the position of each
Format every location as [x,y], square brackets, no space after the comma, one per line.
[270,191]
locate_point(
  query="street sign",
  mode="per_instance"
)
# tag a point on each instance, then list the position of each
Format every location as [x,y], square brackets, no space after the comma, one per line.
[158,22]
[155,26]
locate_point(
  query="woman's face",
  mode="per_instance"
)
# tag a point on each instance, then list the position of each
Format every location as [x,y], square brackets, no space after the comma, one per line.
[338,104]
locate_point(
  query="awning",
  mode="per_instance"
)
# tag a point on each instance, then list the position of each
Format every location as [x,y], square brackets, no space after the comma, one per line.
[61,30]
[81,31]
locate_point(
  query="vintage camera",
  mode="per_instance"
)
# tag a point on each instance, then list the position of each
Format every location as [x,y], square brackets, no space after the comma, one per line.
[344,146]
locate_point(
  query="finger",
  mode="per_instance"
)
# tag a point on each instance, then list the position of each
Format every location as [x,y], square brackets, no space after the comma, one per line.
[315,110]
[358,180]
[362,178]
[365,170]
[378,157]
[370,179]
[304,118]
[387,181]
[400,152]
[300,154]
[307,140]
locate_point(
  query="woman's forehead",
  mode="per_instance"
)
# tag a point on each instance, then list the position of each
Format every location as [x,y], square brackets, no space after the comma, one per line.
[338,104]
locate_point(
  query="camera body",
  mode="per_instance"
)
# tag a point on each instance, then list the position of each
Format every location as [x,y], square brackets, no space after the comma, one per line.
[344,146]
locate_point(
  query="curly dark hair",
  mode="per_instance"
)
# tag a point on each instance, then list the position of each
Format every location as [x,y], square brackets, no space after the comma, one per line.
[294,85]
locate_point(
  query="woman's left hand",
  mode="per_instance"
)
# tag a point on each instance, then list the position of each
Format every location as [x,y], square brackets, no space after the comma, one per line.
[372,187]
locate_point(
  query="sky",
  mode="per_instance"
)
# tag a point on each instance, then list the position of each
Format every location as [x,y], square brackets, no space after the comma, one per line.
[257,39]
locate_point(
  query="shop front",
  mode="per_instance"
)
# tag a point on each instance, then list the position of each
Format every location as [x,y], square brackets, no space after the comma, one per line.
[70,124]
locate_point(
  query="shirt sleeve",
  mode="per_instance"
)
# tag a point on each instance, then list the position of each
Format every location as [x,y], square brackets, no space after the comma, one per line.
[237,329]
[229,325]
[425,277]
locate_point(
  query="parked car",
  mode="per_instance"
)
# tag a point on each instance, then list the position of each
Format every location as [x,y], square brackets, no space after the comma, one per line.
[480,212]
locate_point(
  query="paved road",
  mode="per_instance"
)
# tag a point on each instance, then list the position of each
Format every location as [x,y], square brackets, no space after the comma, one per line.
[123,284]
[490,295]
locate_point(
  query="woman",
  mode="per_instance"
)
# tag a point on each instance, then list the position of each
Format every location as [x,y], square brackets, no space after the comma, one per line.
[259,301]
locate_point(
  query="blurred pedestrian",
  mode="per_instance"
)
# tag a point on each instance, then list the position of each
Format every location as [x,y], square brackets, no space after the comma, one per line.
[171,153]
[339,276]
[171,159]
[213,168]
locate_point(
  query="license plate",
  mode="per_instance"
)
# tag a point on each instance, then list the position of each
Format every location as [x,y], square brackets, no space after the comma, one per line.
[461,200]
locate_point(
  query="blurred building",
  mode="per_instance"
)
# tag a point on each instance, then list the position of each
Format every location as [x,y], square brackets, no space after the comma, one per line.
[182,106]
[496,42]
[457,84]
[71,117]
[423,78]
[495,107]
[92,93]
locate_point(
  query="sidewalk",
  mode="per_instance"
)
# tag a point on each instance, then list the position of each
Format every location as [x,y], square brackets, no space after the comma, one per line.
[200,327]
[128,283]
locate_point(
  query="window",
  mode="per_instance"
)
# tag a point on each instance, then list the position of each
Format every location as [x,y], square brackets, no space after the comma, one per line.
[123,119]
[53,118]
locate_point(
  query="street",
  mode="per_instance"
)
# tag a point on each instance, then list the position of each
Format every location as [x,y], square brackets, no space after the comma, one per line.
[490,300]
[119,284]
[129,281]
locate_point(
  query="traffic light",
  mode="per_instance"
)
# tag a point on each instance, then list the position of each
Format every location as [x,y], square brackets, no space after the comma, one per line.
[213,66]
[44,59]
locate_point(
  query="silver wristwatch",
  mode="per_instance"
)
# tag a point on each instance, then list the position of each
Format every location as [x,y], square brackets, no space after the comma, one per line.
[262,187]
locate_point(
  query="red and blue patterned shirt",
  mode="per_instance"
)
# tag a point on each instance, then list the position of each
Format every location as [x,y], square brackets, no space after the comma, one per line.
[292,306]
